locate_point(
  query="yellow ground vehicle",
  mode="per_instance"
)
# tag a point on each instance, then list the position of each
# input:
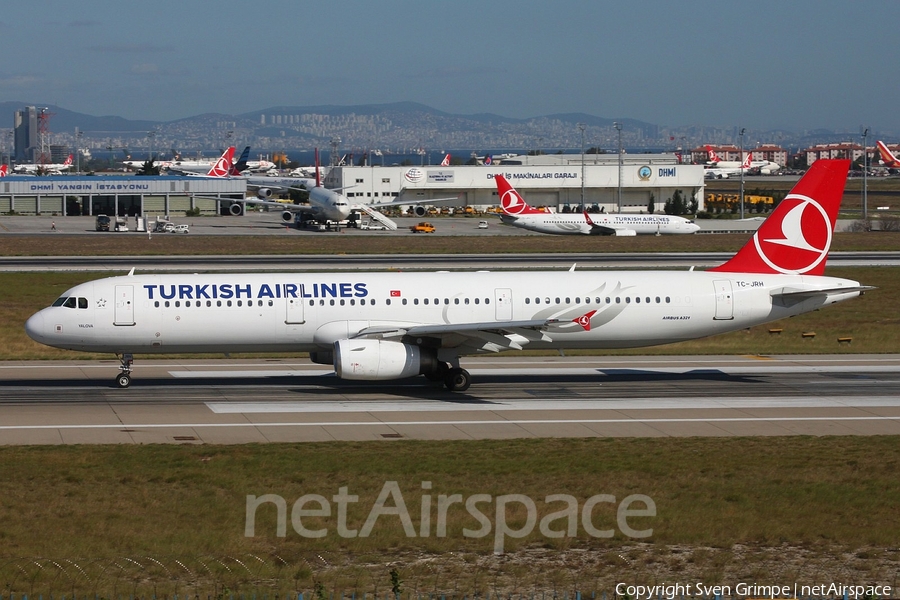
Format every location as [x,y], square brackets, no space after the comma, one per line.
[423,227]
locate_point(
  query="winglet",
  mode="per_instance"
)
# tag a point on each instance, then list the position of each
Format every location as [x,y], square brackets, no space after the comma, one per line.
[510,201]
[796,237]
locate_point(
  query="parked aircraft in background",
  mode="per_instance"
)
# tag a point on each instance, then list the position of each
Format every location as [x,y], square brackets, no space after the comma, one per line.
[766,167]
[390,325]
[4,169]
[887,157]
[52,168]
[518,213]
[446,161]
[725,172]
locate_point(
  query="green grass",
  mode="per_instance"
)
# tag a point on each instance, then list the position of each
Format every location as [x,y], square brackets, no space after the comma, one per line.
[872,321]
[824,497]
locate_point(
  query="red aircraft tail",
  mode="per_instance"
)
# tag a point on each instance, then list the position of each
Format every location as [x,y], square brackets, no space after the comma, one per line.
[223,166]
[887,157]
[510,200]
[796,237]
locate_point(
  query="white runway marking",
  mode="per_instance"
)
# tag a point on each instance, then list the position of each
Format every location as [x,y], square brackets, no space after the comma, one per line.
[524,404]
[138,426]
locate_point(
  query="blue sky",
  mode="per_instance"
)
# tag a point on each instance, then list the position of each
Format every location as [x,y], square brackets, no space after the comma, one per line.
[759,63]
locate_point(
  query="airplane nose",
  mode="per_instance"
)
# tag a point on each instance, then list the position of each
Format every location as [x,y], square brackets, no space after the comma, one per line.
[34,326]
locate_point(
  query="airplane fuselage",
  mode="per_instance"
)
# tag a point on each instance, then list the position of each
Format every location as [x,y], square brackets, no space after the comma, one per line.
[298,312]
[603,224]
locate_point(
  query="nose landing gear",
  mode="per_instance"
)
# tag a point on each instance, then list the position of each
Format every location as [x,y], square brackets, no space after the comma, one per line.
[124,378]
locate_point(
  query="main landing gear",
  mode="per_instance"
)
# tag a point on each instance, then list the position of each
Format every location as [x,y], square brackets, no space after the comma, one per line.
[455,378]
[124,378]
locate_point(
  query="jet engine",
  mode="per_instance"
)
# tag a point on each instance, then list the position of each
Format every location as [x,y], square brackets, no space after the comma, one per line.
[419,210]
[263,193]
[236,209]
[371,360]
[287,216]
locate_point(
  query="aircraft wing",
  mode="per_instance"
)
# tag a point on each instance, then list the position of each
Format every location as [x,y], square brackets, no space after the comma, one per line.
[493,336]
[256,201]
[597,229]
[414,202]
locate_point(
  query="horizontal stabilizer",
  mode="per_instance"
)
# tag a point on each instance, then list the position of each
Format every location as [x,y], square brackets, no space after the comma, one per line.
[791,296]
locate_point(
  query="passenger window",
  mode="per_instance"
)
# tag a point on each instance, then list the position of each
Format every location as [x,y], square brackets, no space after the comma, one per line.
[271,302]
[239,302]
[352,302]
[578,300]
[82,303]
[331,302]
[476,300]
[156,304]
[404,302]
[416,301]
[167,304]
[648,299]
[638,299]
[228,303]
[668,300]
[425,301]
[456,301]
[657,299]
[177,303]
[527,300]
[557,300]
[546,300]
[388,302]
[567,301]
[467,300]
[437,300]
[487,300]
[342,302]
[218,303]
[70,302]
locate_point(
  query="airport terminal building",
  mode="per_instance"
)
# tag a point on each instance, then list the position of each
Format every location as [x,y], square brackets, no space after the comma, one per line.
[123,196]
[547,180]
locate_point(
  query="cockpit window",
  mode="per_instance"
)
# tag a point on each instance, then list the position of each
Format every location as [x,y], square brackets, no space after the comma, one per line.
[70,302]
[59,301]
[82,303]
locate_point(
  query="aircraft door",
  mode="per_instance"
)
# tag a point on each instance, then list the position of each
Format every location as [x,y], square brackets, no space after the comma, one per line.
[294,315]
[503,304]
[724,300]
[124,312]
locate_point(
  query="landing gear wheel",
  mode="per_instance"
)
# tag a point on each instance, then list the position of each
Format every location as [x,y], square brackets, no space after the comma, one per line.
[458,380]
[123,380]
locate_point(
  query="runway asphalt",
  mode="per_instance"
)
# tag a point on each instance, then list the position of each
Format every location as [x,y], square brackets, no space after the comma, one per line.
[243,401]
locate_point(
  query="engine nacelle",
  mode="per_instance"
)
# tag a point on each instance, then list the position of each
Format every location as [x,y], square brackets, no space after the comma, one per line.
[263,193]
[419,210]
[287,216]
[372,360]
[236,209]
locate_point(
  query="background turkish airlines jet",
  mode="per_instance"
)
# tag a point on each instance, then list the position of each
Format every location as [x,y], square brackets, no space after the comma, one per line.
[4,169]
[724,172]
[887,157]
[518,213]
[388,325]
[54,168]
[446,161]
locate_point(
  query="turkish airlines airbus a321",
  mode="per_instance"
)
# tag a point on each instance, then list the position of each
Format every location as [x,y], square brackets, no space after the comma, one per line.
[518,213]
[382,326]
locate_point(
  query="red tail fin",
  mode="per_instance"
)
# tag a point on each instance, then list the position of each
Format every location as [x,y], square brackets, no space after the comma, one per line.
[796,237]
[711,154]
[747,161]
[69,161]
[446,161]
[222,168]
[4,170]
[510,200]
[887,157]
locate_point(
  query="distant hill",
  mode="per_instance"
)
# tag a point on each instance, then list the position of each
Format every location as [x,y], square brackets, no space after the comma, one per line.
[67,120]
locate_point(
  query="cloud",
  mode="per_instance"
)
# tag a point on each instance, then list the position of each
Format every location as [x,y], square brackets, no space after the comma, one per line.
[130,48]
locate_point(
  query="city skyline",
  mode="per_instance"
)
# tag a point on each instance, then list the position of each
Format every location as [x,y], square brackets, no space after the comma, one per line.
[767,65]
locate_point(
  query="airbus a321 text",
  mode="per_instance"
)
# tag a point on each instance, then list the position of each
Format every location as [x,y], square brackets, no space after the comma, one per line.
[517,212]
[388,325]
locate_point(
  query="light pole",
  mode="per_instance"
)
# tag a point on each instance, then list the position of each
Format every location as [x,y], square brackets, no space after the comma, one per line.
[741,157]
[618,127]
[581,127]
[78,134]
[151,135]
[865,194]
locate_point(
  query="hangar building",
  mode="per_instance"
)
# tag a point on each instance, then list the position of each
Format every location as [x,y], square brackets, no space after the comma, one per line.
[546,180]
[123,196]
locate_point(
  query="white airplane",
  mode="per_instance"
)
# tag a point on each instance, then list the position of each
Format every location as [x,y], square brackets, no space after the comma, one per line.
[199,166]
[766,167]
[887,157]
[518,213]
[52,168]
[718,172]
[389,325]
[326,206]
